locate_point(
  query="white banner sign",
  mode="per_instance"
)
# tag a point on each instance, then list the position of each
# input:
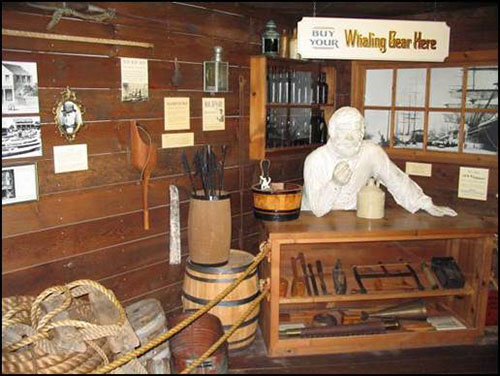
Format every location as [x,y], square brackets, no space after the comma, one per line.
[368,39]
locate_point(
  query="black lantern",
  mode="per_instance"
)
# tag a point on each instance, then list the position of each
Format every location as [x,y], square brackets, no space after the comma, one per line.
[270,40]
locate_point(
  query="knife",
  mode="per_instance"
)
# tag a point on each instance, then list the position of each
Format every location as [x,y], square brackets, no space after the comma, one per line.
[302,261]
[321,277]
[313,280]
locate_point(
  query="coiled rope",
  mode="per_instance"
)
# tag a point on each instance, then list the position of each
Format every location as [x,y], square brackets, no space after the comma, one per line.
[264,250]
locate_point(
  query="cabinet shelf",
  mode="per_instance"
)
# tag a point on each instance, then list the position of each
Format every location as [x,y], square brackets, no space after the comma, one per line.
[400,239]
[298,105]
[259,102]
[466,290]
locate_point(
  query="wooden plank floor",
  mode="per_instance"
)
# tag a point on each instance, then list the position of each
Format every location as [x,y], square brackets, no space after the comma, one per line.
[481,358]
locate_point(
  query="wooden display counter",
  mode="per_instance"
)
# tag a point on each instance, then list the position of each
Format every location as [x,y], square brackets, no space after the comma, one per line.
[401,238]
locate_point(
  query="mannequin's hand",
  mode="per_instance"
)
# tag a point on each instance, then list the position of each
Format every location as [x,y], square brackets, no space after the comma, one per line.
[342,173]
[439,211]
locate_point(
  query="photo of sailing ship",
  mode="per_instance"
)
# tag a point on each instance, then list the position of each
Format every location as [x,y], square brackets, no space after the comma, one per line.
[481,128]
[21,137]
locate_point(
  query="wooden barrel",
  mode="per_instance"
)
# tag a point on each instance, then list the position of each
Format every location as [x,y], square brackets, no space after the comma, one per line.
[192,341]
[202,283]
[282,203]
[209,230]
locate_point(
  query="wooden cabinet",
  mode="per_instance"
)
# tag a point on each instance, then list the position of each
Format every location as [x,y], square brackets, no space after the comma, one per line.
[290,112]
[400,237]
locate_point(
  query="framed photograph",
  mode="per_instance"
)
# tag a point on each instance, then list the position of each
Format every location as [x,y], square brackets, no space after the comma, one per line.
[68,115]
[21,137]
[19,88]
[19,183]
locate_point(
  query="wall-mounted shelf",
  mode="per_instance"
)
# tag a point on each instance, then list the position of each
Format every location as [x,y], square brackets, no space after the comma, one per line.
[282,122]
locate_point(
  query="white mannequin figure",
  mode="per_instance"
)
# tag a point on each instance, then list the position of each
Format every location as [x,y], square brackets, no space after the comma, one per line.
[334,173]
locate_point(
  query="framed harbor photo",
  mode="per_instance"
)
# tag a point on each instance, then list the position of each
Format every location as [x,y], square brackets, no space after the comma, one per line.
[19,183]
[21,137]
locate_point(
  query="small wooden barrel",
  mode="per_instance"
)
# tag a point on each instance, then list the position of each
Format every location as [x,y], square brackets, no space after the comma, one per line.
[280,204]
[148,320]
[203,283]
[192,341]
[209,230]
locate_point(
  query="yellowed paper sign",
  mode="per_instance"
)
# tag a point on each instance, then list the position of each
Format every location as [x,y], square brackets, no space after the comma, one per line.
[177,140]
[418,169]
[213,114]
[176,113]
[473,183]
[69,158]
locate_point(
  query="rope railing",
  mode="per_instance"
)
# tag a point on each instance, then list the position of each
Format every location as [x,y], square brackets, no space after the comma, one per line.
[264,250]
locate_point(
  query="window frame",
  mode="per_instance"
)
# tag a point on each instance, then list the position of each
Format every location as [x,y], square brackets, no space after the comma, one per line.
[455,59]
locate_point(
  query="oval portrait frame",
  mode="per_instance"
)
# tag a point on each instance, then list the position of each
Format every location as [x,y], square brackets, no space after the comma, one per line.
[68,114]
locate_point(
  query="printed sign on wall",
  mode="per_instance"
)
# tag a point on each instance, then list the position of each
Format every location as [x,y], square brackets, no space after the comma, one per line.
[370,39]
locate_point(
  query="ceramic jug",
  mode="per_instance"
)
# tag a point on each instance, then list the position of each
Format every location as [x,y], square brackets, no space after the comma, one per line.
[371,200]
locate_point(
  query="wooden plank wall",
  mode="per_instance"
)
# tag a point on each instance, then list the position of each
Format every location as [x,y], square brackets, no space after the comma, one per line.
[88,224]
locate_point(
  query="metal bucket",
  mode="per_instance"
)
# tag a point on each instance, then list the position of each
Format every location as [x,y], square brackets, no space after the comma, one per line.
[191,342]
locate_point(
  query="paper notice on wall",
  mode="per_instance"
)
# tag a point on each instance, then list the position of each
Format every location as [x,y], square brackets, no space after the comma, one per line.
[418,169]
[473,183]
[176,113]
[69,158]
[177,140]
[134,74]
[213,114]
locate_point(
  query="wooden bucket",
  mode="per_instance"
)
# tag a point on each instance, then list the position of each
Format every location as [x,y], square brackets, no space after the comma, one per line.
[203,283]
[209,230]
[191,342]
[280,204]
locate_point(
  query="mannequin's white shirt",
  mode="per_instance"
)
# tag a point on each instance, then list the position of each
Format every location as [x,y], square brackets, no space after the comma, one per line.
[322,195]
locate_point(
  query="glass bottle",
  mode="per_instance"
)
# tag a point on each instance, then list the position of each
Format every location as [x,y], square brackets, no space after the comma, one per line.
[315,133]
[323,128]
[298,88]
[286,86]
[317,89]
[292,48]
[284,44]
[324,88]
[279,86]
[272,97]
[293,87]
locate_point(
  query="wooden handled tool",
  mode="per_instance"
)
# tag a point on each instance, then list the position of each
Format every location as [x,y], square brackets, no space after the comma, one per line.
[298,285]
[283,287]
[302,261]
[321,277]
[429,276]
[313,280]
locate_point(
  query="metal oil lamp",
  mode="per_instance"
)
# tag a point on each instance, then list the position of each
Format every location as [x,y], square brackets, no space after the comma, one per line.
[270,39]
[215,73]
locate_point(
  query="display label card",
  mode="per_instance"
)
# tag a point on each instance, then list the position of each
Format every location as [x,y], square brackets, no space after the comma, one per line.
[69,158]
[176,113]
[419,169]
[473,183]
[134,74]
[177,140]
[213,114]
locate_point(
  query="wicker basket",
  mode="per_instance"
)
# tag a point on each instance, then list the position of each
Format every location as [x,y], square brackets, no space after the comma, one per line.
[30,355]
